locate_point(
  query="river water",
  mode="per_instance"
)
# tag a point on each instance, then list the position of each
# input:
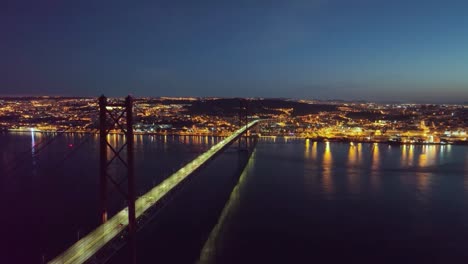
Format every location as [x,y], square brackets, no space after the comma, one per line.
[296,201]
[307,202]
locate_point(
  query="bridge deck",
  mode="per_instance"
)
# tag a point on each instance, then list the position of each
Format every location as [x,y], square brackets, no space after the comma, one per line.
[89,245]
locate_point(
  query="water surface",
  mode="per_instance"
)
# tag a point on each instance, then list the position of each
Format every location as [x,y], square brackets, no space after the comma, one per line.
[297,201]
[300,201]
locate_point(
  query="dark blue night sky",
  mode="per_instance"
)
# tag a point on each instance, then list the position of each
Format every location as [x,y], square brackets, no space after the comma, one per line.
[345,49]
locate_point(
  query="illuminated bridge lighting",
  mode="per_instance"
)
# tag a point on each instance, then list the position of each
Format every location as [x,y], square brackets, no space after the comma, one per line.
[89,245]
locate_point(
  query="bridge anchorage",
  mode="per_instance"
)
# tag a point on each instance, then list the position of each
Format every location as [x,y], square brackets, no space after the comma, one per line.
[100,244]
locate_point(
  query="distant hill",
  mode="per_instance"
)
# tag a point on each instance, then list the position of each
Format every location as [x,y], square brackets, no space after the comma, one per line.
[230,107]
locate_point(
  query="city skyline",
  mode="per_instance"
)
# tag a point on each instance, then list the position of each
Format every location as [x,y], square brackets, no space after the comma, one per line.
[456,102]
[364,50]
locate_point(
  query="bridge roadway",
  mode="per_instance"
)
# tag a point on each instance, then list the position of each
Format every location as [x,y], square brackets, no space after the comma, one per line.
[89,245]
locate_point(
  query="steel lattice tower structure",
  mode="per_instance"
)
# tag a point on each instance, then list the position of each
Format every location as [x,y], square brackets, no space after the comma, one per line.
[243,121]
[123,122]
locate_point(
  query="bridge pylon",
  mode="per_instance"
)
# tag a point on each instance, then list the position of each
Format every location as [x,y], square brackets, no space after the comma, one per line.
[117,118]
[243,141]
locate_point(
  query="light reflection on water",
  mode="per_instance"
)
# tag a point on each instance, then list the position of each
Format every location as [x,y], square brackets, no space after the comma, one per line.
[354,157]
[314,151]
[351,196]
[307,149]
[427,158]
[366,164]
[215,238]
[327,164]
[375,167]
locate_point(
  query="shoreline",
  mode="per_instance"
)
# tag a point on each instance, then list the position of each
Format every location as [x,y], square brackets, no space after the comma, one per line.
[334,140]
[462,143]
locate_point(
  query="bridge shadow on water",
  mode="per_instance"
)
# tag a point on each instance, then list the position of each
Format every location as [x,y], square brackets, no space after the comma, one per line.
[180,229]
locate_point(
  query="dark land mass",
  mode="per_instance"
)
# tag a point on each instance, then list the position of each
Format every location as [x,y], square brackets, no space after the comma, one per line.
[230,107]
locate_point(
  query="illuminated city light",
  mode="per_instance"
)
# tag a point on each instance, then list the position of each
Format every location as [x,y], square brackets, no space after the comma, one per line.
[437,124]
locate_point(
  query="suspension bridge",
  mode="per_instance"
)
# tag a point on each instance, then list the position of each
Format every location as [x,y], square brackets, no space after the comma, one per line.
[89,245]
[121,228]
